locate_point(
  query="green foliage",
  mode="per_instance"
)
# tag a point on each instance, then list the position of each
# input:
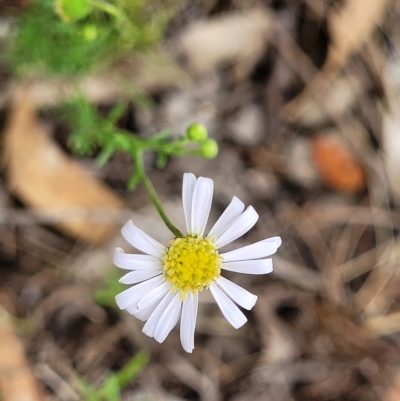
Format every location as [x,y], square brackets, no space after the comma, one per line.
[45,43]
[111,388]
[131,369]
[91,131]
[68,37]
[141,23]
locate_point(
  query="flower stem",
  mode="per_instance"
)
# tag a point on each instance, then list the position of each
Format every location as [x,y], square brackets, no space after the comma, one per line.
[153,194]
[107,8]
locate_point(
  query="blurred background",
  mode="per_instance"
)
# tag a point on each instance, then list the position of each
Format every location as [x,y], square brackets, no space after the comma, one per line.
[303,99]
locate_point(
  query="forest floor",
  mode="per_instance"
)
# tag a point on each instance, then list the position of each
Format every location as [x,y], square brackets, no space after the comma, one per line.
[302,98]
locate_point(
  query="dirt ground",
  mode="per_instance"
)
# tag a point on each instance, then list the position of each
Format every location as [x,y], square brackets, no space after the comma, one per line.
[302,97]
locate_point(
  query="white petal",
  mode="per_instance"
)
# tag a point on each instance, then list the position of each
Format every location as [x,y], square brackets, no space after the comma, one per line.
[177,317]
[240,226]
[201,204]
[261,249]
[131,296]
[196,307]
[231,312]
[188,321]
[234,210]
[139,275]
[154,295]
[277,239]
[238,294]
[135,261]
[168,319]
[150,326]
[140,240]
[189,182]
[143,314]
[261,266]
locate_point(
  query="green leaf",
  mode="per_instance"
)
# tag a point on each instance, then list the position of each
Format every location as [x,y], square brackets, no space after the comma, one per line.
[87,391]
[105,154]
[133,180]
[111,389]
[132,368]
[124,141]
[161,160]
[116,113]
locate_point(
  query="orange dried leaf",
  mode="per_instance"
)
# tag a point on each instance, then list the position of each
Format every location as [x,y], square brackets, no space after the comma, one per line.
[337,165]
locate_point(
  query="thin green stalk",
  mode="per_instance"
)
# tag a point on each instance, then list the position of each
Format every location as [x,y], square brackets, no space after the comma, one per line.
[107,7]
[153,194]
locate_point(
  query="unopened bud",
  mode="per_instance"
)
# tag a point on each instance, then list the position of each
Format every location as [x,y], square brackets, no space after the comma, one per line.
[209,148]
[90,32]
[72,10]
[197,132]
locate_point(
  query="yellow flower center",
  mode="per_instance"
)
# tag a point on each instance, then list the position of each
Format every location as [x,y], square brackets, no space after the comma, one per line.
[191,263]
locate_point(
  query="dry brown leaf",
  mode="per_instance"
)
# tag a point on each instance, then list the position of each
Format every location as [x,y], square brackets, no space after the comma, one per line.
[47,180]
[391,125]
[324,100]
[329,94]
[384,325]
[299,164]
[233,38]
[393,393]
[279,346]
[351,26]
[17,382]
[187,373]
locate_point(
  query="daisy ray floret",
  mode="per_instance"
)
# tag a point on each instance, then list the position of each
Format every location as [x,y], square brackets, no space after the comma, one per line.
[168,279]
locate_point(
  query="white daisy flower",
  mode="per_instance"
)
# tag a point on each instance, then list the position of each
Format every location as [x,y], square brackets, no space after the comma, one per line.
[169,278]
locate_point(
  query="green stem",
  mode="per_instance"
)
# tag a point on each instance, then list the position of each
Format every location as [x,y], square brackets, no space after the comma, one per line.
[107,8]
[153,194]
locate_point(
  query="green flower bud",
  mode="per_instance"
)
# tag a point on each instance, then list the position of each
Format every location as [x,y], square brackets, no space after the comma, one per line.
[72,10]
[197,132]
[209,148]
[90,32]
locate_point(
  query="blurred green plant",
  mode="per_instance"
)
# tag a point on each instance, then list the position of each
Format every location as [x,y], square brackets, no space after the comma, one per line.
[106,296]
[92,131]
[68,37]
[73,10]
[111,388]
